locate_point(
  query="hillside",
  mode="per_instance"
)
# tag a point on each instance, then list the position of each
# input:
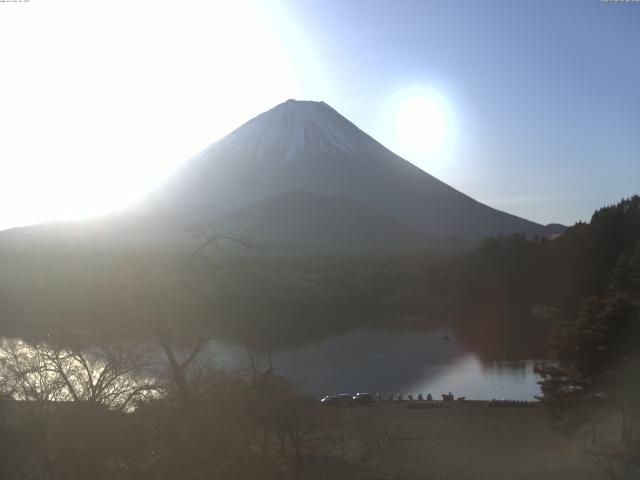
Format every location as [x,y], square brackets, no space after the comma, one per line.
[510,290]
[301,145]
[305,222]
[302,179]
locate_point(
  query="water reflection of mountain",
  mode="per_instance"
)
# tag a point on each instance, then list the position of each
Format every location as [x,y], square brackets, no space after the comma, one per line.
[385,360]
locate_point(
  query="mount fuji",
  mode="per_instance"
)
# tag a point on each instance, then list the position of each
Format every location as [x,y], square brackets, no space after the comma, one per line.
[302,174]
[309,146]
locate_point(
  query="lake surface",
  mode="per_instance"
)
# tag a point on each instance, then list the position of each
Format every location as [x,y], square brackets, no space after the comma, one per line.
[395,362]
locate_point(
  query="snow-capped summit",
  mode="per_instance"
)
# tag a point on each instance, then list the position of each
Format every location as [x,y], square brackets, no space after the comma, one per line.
[285,132]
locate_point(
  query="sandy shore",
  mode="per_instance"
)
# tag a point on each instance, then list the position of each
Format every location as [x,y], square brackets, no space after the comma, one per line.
[466,441]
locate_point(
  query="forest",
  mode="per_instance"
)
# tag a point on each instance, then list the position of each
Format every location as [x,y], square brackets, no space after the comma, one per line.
[288,299]
[502,298]
[511,290]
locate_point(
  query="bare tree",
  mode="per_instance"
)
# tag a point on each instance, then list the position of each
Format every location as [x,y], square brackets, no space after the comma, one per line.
[62,405]
[301,420]
[114,376]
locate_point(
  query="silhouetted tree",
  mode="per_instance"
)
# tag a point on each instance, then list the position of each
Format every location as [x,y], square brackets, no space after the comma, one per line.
[593,392]
[301,419]
[505,278]
[62,407]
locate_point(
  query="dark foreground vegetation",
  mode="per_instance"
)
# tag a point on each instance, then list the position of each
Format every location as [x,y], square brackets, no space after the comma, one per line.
[511,290]
[593,392]
[114,412]
[274,301]
[588,282]
[105,370]
[70,414]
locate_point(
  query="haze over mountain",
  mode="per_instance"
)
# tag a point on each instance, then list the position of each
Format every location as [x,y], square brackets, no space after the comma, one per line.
[302,222]
[302,176]
[305,145]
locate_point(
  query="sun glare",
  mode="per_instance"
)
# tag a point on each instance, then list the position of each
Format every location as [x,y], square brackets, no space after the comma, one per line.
[120,93]
[423,127]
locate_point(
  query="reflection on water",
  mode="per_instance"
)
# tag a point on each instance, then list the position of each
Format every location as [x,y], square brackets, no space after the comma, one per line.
[396,362]
[384,361]
[466,376]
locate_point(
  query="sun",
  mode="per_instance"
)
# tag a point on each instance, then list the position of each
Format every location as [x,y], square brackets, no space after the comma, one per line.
[421,125]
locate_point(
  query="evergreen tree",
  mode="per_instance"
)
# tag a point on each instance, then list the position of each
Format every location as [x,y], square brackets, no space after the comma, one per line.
[501,284]
[593,392]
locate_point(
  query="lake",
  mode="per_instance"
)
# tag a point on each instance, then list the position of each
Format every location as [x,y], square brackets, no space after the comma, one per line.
[369,360]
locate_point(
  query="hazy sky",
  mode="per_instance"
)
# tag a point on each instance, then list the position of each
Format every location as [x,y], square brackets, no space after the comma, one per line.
[99,101]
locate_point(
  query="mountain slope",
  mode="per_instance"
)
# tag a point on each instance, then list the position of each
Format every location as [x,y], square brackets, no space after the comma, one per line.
[309,146]
[301,178]
[305,222]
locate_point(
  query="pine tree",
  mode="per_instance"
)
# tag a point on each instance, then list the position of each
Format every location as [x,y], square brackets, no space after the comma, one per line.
[593,392]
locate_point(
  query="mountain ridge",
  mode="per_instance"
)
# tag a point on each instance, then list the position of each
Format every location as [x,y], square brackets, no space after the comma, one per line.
[310,146]
[297,146]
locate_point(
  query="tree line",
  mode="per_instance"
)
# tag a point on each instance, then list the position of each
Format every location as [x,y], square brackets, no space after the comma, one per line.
[511,290]
[290,300]
[587,281]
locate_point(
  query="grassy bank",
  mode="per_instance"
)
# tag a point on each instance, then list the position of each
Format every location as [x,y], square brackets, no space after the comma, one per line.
[466,441]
